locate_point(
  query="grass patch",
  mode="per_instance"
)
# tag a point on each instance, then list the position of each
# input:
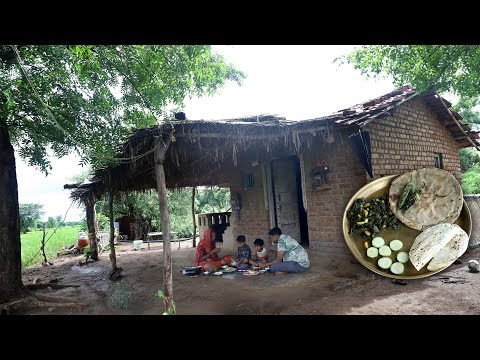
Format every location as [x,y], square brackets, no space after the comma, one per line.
[32,241]
[121,296]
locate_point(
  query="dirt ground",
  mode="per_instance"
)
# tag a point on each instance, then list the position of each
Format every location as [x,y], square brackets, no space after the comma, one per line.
[330,286]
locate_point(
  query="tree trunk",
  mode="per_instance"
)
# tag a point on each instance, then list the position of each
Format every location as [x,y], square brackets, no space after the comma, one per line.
[92,235]
[194,220]
[113,257]
[161,147]
[11,286]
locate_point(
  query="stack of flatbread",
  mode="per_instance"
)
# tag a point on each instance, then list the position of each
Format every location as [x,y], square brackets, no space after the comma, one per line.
[439,205]
[441,244]
[441,199]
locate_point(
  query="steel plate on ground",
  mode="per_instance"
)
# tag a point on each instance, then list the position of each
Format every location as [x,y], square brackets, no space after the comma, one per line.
[405,234]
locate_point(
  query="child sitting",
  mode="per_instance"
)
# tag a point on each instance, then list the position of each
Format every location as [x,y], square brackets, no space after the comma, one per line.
[243,255]
[260,255]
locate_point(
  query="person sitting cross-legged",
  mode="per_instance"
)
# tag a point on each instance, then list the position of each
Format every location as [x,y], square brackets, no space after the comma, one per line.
[291,256]
[244,253]
[207,253]
[261,253]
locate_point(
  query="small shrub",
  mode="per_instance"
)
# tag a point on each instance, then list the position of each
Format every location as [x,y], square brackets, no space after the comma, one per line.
[121,296]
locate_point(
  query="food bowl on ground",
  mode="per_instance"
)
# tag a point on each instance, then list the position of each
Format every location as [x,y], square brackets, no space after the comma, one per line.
[251,273]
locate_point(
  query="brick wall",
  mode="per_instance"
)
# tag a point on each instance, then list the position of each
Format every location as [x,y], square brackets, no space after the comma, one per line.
[408,139]
[254,218]
[325,207]
[405,141]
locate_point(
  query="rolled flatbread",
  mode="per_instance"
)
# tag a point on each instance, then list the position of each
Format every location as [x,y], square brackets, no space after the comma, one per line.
[441,200]
[450,252]
[428,243]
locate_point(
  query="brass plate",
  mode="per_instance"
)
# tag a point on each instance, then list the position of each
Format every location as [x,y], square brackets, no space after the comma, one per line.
[407,235]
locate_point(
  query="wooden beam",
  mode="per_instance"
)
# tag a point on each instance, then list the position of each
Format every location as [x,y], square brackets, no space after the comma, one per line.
[279,132]
[464,136]
[454,125]
[113,257]
[161,146]
[456,122]
[194,219]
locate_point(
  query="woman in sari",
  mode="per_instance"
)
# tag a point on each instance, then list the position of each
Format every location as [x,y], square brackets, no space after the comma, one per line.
[207,254]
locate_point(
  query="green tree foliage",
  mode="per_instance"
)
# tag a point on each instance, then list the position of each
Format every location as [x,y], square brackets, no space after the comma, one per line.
[29,216]
[469,158]
[213,199]
[467,107]
[471,181]
[453,68]
[87,97]
[51,223]
[144,206]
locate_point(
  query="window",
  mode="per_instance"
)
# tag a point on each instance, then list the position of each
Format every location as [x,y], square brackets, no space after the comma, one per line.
[438,161]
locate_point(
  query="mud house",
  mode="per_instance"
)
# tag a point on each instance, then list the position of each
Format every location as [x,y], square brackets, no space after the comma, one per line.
[298,175]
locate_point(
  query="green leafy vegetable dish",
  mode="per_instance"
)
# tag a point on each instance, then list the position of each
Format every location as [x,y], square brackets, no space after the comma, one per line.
[369,218]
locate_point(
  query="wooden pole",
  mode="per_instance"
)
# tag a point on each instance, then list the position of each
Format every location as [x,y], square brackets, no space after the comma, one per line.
[92,234]
[113,257]
[45,262]
[193,217]
[161,145]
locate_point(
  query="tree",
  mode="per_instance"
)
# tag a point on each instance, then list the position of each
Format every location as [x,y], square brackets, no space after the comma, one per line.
[85,99]
[214,199]
[29,215]
[468,159]
[51,223]
[143,206]
[466,107]
[453,68]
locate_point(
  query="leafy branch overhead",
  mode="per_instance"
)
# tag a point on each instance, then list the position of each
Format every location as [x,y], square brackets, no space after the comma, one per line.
[454,68]
[87,98]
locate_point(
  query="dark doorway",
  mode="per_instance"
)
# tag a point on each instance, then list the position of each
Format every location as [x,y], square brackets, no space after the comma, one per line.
[288,208]
[302,214]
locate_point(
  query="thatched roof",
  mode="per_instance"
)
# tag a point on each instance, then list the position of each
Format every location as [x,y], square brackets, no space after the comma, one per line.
[208,152]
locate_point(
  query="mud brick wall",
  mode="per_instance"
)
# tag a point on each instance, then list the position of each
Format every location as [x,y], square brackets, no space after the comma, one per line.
[254,218]
[409,138]
[325,207]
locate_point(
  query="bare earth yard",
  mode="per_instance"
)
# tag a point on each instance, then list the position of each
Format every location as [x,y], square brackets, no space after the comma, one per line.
[338,286]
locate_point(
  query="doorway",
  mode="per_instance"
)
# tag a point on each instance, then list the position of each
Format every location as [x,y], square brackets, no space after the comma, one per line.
[286,204]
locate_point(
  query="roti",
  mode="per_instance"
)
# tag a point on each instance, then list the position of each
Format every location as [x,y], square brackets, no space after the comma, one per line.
[450,252]
[429,243]
[441,200]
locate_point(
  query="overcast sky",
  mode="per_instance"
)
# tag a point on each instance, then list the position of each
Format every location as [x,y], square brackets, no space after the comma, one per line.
[297,82]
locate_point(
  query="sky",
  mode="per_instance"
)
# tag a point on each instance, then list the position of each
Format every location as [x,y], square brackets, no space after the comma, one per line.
[294,81]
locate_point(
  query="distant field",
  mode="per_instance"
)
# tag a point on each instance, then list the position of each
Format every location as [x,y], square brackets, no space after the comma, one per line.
[32,241]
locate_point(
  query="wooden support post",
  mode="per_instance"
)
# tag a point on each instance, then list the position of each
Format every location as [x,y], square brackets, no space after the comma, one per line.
[45,261]
[193,217]
[92,234]
[162,143]
[113,257]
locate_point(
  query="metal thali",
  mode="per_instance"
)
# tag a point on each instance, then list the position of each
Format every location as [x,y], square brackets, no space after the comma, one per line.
[405,234]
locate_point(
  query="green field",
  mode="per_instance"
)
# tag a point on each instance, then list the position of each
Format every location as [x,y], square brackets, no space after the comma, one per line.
[32,241]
